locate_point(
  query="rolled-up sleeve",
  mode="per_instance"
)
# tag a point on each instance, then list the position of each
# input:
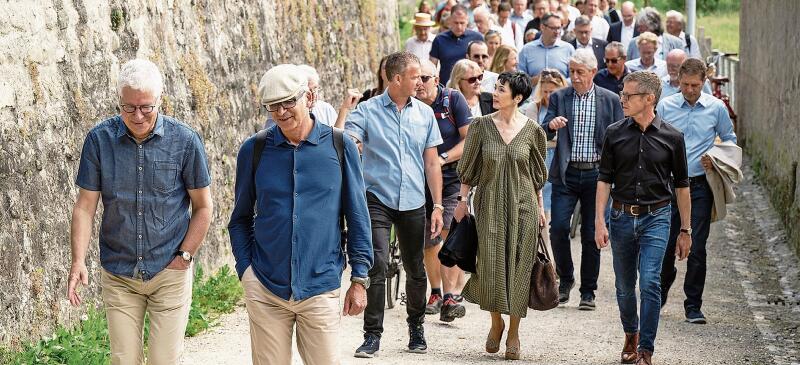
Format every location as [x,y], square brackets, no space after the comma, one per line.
[356,124]
[89,168]
[240,226]
[195,173]
[359,229]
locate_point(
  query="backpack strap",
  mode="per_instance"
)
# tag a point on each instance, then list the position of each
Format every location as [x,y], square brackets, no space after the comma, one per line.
[688,41]
[338,144]
[447,94]
[258,149]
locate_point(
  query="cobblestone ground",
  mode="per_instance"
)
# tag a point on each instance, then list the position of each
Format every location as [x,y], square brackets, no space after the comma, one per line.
[751,301]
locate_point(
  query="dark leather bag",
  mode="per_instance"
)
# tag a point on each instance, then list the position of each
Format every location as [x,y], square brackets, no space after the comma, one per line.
[544,286]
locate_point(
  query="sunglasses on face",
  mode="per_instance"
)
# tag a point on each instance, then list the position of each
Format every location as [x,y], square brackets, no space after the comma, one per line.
[288,104]
[481,56]
[613,60]
[425,78]
[474,79]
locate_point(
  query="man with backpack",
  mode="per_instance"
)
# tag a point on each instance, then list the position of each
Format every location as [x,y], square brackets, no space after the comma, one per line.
[296,183]
[452,114]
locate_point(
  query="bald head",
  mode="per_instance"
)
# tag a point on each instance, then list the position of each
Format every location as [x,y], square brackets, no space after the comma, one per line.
[628,13]
[675,59]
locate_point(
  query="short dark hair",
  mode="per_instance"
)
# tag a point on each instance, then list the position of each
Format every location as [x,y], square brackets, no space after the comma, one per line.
[503,7]
[518,82]
[459,9]
[396,63]
[547,17]
[693,66]
[472,43]
[646,82]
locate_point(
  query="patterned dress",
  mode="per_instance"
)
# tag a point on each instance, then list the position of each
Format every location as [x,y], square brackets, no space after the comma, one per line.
[507,177]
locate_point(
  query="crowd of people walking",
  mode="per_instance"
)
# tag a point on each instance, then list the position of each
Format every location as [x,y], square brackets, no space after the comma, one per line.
[514,112]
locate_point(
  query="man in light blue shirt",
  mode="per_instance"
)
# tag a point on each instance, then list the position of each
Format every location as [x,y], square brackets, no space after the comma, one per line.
[399,135]
[548,51]
[702,118]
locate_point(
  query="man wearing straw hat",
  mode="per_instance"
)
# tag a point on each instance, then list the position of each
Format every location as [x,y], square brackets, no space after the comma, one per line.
[420,43]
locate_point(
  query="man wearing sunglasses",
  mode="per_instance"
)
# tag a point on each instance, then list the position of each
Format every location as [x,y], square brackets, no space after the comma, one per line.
[478,52]
[147,168]
[285,226]
[610,78]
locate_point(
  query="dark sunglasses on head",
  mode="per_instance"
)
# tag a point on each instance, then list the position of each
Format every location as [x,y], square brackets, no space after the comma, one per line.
[425,78]
[474,79]
[550,72]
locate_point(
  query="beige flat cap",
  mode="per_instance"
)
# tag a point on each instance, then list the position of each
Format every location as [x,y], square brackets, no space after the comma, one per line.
[282,83]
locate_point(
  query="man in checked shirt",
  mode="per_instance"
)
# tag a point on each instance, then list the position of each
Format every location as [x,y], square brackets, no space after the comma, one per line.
[586,111]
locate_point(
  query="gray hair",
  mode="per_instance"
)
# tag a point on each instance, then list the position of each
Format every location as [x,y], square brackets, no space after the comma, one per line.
[677,15]
[582,20]
[650,18]
[141,75]
[584,56]
[427,65]
[646,82]
[619,47]
[311,72]
[482,10]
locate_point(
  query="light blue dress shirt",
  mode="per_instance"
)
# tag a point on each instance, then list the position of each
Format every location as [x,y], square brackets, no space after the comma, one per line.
[668,90]
[700,124]
[393,145]
[534,56]
[659,66]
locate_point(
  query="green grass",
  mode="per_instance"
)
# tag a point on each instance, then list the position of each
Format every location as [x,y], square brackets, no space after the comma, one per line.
[88,342]
[723,28]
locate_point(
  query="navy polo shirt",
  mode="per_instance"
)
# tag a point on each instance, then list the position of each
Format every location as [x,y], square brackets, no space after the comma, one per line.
[458,110]
[449,49]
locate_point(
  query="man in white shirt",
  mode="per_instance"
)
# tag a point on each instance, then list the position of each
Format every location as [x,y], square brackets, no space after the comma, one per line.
[675,27]
[511,34]
[420,44]
[600,25]
[574,13]
[520,15]
[624,30]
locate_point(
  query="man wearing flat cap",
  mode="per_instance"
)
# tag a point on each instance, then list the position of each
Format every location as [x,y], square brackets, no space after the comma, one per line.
[420,43]
[292,187]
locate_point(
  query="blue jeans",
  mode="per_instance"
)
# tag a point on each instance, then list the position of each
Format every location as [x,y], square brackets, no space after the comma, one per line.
[639,243]
[581,185]
[548,187]
[695,281]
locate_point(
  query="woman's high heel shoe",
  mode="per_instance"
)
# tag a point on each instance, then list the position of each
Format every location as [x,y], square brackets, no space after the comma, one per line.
[512,351]
[492,345]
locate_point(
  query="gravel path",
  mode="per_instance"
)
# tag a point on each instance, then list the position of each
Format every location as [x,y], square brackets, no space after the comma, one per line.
[749,266]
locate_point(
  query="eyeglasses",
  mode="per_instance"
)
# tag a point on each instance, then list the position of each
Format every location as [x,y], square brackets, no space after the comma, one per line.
[481,56]
[288,104]
[624,96]
[145,109]
[425,78]
[613,60]
[555,29]
[474,79]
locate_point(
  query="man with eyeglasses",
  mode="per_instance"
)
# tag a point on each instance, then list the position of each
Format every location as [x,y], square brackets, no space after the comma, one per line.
[610,78]
[549,51]
[578,115]
[399,136]
[643,159]
[147,168]
[584,39]
[323,111]
[292,186]
[478,52]
[453,119]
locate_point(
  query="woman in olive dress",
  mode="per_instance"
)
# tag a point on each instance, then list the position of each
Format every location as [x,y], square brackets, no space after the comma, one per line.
[503,159]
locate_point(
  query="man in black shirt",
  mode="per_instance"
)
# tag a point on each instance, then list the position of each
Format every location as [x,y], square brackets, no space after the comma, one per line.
[642,158]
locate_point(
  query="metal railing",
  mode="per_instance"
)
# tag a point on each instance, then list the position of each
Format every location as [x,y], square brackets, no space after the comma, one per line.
[727,65]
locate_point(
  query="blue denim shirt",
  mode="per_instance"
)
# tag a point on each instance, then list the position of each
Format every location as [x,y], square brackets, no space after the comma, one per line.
[393,146]
[700,124]
[144,191]
[287,227]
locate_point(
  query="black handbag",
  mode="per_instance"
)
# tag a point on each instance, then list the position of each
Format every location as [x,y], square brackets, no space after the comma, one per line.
[461,246]
[544,286]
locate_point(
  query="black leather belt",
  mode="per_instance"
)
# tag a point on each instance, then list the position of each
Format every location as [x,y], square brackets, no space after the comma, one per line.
[584,165]
[450,166]
[636,210]
[697,179]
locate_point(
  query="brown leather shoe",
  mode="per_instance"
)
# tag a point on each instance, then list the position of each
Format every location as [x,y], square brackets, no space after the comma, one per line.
[645,358]
[629,354]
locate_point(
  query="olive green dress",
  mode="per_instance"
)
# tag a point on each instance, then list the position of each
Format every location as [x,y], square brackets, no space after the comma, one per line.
[507,178]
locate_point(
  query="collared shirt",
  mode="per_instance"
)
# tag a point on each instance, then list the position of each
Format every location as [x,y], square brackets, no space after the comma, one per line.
[511,34]
[324,113]
[521,21]
[421,49]
[606,80]
[285,219]
[700,124]
[692,50]
[581,46]
[489,81]
[449,49]
[600,27]
[144,191]
[626,34]
[393,145]
[583,111]
[535,56]
[667,89]
[659,66]
[642,167]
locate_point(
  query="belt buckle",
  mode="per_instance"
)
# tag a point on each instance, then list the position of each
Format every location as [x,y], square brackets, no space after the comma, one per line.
[634,210]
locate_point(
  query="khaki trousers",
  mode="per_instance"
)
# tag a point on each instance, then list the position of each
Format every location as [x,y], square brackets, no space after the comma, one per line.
[273,319]
[166,298]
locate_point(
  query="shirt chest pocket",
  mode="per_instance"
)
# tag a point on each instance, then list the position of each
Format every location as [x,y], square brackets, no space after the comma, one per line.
[165,176]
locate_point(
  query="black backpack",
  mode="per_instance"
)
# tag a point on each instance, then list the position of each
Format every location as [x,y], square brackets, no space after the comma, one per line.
[338,144]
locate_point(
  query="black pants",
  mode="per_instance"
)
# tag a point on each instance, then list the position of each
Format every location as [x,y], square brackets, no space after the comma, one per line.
[410,230]
[695,280]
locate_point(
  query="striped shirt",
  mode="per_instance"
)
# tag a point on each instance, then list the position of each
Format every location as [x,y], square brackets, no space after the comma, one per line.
[584,111]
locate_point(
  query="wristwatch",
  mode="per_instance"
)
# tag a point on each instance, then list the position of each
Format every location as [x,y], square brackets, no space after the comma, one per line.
[185,255]
[444,155]
[363,281]
[438,206]
[687,231]
[461,198]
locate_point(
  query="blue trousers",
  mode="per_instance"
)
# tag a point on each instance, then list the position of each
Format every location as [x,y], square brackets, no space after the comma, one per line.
[638,244]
